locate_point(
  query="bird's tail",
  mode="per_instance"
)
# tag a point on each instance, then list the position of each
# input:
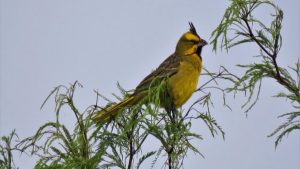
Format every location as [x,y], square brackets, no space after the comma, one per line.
[111,111]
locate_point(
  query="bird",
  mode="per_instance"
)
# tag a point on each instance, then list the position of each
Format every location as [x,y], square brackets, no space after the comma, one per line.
[179,72]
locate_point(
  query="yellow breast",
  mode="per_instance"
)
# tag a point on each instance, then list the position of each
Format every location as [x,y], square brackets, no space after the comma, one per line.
[183,84]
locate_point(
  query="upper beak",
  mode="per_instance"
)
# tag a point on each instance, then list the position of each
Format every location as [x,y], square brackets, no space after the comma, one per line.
[202,43]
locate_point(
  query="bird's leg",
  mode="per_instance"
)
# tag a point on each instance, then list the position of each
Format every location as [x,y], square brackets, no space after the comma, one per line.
[171,111]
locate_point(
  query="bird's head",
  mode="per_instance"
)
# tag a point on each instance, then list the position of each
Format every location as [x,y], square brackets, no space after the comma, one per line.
[190,42]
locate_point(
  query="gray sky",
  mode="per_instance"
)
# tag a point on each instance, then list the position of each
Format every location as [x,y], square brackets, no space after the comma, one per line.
[47,43]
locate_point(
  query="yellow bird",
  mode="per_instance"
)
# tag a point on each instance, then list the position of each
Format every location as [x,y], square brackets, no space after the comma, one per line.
[180,72]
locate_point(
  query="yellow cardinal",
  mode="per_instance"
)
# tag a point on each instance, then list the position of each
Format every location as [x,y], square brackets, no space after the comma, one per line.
[180,72]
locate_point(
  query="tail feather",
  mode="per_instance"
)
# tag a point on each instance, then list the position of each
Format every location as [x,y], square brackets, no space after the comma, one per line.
[111,111]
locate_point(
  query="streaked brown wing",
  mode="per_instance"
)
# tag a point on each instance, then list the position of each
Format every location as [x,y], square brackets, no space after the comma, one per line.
[166,69]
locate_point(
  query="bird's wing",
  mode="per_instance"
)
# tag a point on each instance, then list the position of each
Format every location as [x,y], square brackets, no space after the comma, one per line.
[166,69]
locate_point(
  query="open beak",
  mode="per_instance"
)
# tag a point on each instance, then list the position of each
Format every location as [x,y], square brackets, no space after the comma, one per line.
[202,43]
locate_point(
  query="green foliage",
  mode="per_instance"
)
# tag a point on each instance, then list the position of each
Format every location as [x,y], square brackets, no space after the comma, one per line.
[240,26]
[58,147]
[6,151]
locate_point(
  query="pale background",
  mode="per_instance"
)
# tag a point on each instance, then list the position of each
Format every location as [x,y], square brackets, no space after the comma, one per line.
[45,43]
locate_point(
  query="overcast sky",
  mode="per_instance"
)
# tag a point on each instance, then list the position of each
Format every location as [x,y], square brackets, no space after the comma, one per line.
[45,43]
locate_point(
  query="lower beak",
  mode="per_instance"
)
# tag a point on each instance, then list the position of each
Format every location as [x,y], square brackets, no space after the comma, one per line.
[202,43]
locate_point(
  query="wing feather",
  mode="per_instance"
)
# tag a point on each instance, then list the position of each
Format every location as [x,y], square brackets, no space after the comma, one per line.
[166,69]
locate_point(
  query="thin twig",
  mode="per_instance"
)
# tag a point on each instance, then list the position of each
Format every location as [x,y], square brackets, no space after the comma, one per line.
[273,57]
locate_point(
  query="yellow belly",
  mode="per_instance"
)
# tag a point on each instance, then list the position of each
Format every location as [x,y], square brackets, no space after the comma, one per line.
[183,84]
